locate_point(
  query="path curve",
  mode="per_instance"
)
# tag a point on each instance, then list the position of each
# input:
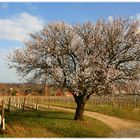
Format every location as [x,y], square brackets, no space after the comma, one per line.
[114,122]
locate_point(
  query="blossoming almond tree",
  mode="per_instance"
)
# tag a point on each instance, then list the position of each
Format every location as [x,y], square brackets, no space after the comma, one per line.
[89,58]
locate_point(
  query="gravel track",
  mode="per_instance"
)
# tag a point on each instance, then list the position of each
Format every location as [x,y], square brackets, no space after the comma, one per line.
[114,122]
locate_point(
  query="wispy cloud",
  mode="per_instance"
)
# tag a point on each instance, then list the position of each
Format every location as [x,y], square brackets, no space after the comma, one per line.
[6,74]
[4,6]
[110,18]
[18,27]
[136,16]
[31,6]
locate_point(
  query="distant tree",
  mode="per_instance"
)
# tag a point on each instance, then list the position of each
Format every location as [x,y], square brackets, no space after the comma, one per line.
[13,93]
[3,89]
[28,91]
[88,58]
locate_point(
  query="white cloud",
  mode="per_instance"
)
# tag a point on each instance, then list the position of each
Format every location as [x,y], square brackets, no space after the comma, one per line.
[110,18]
[138,16]
[18,27]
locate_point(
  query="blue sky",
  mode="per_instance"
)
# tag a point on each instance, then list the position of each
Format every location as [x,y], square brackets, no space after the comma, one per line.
[70,12]
[18,19]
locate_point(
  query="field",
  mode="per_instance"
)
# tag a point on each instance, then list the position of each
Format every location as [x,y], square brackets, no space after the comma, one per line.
[32,116]
[52,123]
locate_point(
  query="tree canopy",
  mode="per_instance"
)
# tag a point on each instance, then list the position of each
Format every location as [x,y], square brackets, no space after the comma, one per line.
[89,58]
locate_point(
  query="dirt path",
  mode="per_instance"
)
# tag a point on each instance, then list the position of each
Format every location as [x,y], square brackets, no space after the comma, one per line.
[113,122]
[122,128]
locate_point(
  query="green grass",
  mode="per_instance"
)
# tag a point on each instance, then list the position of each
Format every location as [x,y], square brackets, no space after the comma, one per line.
[52,124]
[127,113]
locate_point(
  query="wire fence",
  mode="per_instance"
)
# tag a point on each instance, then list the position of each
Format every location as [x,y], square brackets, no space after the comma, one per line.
[46,101]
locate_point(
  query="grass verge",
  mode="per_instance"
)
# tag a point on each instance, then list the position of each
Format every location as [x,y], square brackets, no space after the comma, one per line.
[52,123]
[126,113]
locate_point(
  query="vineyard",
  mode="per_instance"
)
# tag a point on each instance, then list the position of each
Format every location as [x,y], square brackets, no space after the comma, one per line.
[120,102]
[44,101]
[123,107]
[98,104]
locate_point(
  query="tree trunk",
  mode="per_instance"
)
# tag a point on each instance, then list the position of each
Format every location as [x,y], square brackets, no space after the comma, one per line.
[80,100]
[79,111]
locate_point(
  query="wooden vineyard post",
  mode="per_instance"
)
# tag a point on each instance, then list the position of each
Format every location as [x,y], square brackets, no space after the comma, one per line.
[135,102]
[2,118]
[36,105]
[24,101]
[18,102]
[49,102]
[9,104]
[30,103]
